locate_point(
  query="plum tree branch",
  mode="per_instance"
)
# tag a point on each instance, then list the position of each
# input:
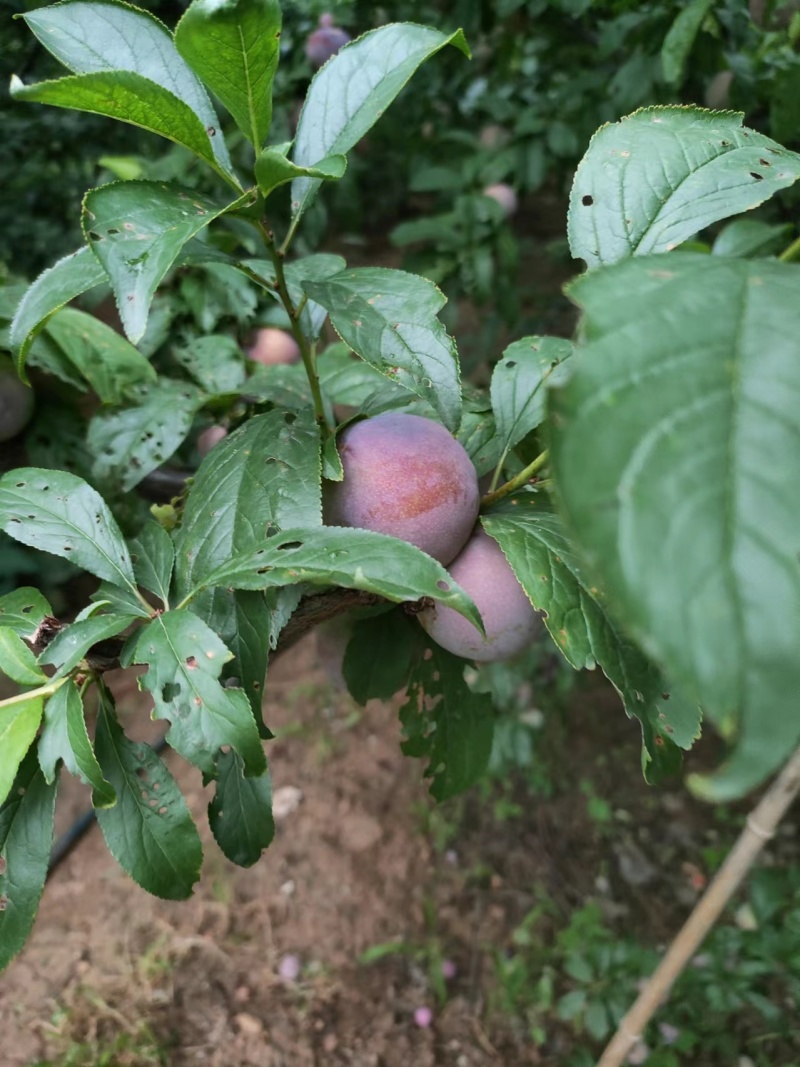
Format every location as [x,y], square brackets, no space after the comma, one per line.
[760,827]
[516,482]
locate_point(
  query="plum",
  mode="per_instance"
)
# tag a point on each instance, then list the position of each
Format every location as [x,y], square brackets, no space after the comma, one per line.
[209,438]
[406,476]
[511,624]
[269,345]
[325,42]
[505,197]
[16,404]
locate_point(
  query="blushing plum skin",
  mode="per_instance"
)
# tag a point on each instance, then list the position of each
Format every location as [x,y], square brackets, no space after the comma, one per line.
[209,438]
[511,624]
[505,197]
[269,345]
[16,404]
[325,42]
[408,477]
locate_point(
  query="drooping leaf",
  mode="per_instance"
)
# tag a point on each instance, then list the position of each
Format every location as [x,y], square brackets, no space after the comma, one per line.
[89,37]
[265,475]
[657,177]
[70,646]
[216,362]
[54,288]
[240,815]
[351,92]
[379,656]
[153,558]
[234,46]
[577,618]
[56,512]
[273,169]
[676,446]
[17,661]
[446,723]
[680,39]
[149,831]
[130,442]
[136,230]
[184,660]
[22,610]
[26,834]
[519,383]
[19,720]
[130,98]
[354,559]
[109,363]
[389,318]
[64,737]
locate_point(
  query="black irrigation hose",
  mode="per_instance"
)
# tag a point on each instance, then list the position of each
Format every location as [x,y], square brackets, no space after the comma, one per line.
[70,838]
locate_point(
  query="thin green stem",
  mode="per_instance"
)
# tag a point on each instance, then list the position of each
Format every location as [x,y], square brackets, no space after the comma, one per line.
[41,693]
[289,235]
[498,471]
[516,482]
[307,351]
[791,253]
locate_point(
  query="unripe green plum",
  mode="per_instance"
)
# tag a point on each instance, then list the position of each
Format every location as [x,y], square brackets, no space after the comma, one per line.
[408,477]
[511,624]
[16,404]
[325,42]
[269,345]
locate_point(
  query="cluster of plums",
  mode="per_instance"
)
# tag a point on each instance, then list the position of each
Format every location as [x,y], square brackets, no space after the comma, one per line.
[407,476]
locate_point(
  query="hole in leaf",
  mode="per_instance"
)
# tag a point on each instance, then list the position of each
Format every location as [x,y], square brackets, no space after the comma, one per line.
[587,200]
[758,177]
[95,236]
[765,163]
[191,662]
[291,544]
[111,231]
[511,363]
[169,691]
[289,417]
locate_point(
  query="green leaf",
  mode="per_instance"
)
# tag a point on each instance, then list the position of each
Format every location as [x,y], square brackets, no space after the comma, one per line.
[69,647]
[59,513]
[54,288]
[446,723]
[750,237]
[680,39]
[311,268]
[657,177]
[354,559]
[149,831]
[478,434]
[379,656]
[534,542]
[688,509]
[23,610]
[184,658]
[130,442]
[19,720]
[109,363]
[347,379]
[216,363]
[351,92]
[234,46]
[89,38]
[389,318]
[130,98]
[121,601]
[240,815]
[17,661]
[64,737]
[136,230]
[519,384]
[26,834]
[274,169]
[153,557]
[264,475]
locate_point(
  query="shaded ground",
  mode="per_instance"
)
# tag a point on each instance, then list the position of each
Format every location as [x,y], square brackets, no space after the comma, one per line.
[361,858]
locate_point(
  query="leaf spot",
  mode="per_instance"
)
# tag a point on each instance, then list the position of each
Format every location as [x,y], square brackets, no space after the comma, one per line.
[587,200]
[758,177]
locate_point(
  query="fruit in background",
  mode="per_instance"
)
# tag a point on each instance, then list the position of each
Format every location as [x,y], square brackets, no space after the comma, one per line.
[493,136]
[16,403]
[406,476]
[505,197]
[209,438]
[269,345]
[325,42]
[718,91]
[511,624]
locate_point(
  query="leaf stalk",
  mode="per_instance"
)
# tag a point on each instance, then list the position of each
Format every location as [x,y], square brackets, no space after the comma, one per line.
[516,482]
